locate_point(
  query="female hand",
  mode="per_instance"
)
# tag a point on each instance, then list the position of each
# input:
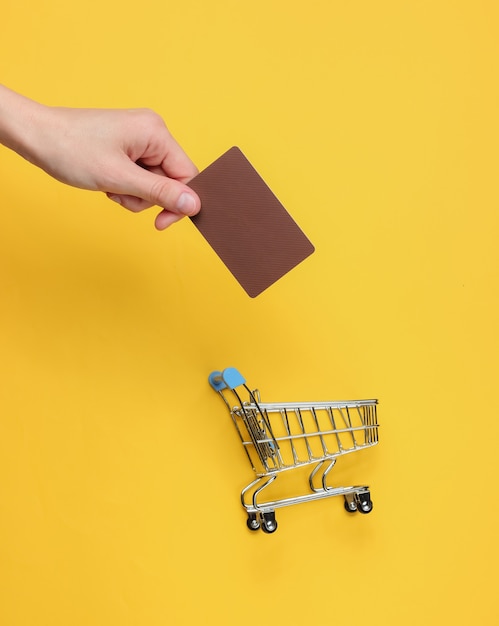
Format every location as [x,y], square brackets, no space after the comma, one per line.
[127,153]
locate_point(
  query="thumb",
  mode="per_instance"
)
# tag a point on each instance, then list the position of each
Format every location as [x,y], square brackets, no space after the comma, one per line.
[140,188]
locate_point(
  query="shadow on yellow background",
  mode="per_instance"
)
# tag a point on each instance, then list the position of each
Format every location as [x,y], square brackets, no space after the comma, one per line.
[376,126]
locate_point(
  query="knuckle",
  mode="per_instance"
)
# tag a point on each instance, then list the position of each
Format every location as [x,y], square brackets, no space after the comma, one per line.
[151,119]
[161,192]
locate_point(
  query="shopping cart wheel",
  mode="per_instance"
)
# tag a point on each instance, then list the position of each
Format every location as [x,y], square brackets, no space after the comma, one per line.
[364,503]
[350,506]
[252,522]
[269,523]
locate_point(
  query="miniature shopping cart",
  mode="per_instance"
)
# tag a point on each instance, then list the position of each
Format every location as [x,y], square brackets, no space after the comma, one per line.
[284,436]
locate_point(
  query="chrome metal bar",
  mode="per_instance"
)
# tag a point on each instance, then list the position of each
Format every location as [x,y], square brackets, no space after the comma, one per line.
[330,492]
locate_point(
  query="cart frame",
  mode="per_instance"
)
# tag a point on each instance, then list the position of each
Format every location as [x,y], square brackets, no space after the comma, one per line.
[284,436]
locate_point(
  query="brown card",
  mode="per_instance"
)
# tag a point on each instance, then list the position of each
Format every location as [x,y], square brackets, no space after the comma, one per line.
[246,224]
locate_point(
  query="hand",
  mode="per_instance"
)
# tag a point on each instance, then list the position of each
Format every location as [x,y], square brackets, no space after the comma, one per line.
[128,154]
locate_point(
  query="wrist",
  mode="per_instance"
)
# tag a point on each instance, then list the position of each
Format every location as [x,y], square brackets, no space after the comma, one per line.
[20,120]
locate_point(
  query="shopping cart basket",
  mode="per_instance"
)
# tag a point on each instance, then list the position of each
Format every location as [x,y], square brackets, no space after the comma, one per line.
[284,436]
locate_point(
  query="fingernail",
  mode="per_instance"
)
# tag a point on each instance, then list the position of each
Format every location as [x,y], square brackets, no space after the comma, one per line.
[186,204]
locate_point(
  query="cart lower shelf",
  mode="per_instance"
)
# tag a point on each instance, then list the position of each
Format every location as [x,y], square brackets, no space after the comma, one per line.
[261,514]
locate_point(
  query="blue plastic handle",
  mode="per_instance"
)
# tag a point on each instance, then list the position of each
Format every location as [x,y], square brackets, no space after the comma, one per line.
[230,378]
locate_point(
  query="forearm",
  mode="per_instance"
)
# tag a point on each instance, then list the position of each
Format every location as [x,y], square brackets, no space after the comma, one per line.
[19,122]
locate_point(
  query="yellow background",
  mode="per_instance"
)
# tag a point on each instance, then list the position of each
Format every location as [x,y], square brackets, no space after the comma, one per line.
[376,125]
